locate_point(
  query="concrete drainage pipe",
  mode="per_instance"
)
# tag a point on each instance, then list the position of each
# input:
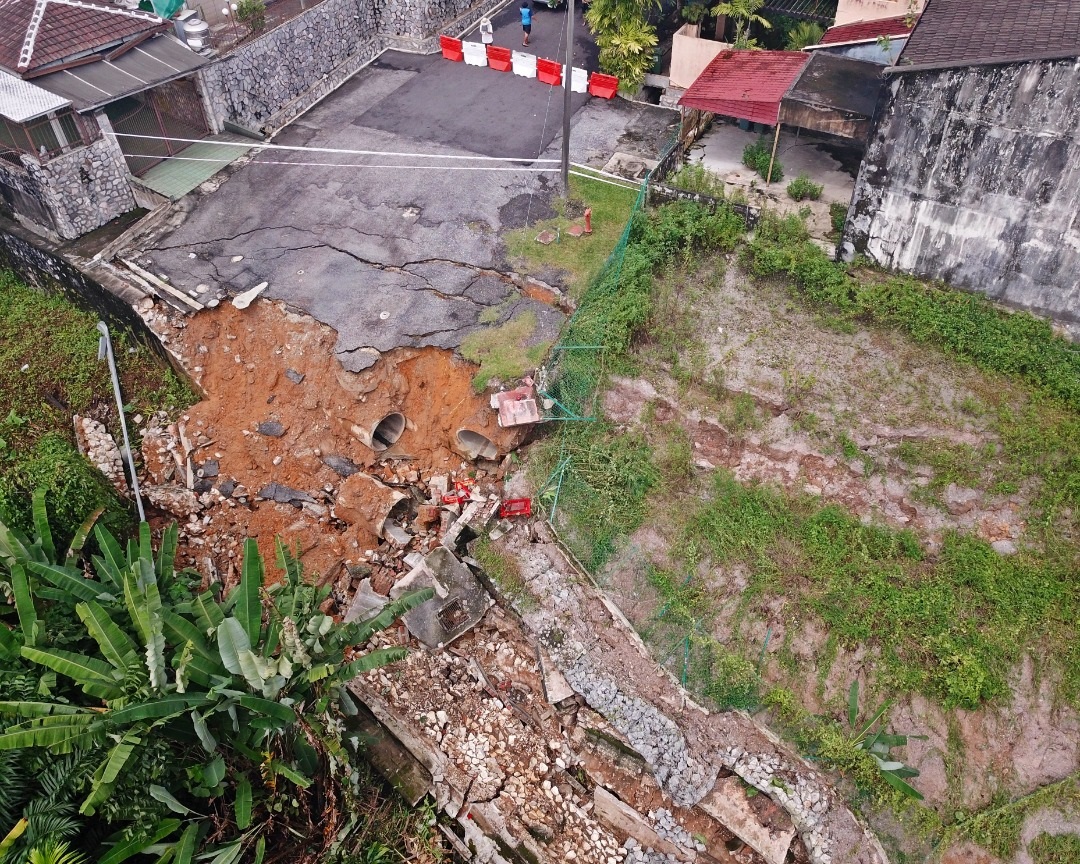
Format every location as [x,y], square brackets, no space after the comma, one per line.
[385,433]
[474,445]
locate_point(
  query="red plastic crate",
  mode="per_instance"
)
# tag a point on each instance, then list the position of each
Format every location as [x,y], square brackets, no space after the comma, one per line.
[515,507]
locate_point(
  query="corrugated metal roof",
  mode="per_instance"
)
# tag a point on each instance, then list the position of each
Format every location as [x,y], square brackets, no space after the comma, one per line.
[92,85]
[868,31]
[950,33]
[747,85]
[21,101]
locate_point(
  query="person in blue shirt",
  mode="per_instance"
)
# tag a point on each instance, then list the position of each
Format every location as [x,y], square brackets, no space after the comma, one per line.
[526,20]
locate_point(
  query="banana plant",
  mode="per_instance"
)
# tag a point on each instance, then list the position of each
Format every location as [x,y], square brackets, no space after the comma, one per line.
[200,670]
[879,744]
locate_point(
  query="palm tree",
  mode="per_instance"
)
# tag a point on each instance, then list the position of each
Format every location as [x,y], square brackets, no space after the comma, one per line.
[802,34]
[743,14]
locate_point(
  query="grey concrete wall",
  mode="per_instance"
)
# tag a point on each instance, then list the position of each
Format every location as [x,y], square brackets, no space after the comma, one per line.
[415,25]
[973,176]
[268,81]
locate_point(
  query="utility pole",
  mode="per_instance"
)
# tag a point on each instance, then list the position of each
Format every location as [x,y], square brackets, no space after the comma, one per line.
[568,75]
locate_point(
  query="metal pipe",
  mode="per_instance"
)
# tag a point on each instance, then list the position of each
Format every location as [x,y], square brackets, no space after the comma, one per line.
[105,350]
[568,77]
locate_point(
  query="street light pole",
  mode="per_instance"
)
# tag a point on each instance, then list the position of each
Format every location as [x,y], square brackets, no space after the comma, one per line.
[568,75]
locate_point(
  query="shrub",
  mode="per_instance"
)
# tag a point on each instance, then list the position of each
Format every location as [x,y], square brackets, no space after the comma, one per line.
[758,156]
[802,187]
[695,177]
[838,216]
[252,13]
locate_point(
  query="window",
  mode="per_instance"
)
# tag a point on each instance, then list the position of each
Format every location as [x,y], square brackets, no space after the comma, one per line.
[44,137]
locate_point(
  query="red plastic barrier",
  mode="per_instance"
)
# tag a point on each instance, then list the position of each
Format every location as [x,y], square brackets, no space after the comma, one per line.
[604,86]
[549,72]
[499,59]
[451,49]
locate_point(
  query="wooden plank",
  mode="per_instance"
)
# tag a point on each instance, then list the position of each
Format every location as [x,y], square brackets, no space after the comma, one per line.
[161,286]
[621,817]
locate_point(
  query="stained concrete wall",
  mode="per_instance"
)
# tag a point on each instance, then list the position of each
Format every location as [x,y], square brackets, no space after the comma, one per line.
[690,54]
[973,176]
[848,11]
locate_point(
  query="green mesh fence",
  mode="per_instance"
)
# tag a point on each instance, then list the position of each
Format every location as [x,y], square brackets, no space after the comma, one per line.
[569,388]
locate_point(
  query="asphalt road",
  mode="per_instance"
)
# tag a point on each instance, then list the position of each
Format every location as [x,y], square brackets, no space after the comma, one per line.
[393,256]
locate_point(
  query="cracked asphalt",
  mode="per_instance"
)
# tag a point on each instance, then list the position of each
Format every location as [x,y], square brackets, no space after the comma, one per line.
[401,256]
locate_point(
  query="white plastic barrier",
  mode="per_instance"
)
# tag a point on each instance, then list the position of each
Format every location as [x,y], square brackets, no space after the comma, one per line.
[524,64]
[475,53]
[579,81]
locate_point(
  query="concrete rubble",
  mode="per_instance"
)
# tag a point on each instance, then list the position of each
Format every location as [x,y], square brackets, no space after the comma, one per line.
[97,445]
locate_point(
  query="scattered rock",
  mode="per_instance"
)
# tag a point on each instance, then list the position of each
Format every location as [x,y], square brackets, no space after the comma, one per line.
[272,428]
[294,376]
[285,495]
[340,465]
[177,500]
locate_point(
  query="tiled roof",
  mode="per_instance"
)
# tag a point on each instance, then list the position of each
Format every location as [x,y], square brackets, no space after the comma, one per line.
[37,33]
[868,31]
[746,84]
[22,101]
[952,33]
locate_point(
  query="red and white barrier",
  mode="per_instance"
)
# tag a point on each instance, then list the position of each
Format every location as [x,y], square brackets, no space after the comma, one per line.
[549,72]
[528,66]
[579,79]
[451,48]
[524,64]
[499,59]
[604,86]
[475,53]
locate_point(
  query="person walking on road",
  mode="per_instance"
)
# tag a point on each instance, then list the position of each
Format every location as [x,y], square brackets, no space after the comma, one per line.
[526,20]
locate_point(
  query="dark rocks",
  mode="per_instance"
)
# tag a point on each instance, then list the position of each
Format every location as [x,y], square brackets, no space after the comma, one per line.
[270,428]
[209,468]
[226,487]
[294,376]
[340,465]
[285,495]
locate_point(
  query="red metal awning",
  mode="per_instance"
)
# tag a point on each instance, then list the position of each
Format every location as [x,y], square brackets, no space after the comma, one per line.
[747,85]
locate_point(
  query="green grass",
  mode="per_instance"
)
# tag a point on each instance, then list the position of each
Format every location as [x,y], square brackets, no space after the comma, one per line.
[584,257]
[997,828]
[504,571]
[48,371]
[504,352]
[948,627]
[1055,849]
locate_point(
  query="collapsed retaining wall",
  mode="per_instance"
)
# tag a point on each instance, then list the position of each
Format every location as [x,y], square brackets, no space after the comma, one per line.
[972,177]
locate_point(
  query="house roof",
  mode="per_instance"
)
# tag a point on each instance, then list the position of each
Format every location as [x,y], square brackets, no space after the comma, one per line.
[157,60]
[746,84]
[950,33]
[868,31]
[21,101]
[39,33]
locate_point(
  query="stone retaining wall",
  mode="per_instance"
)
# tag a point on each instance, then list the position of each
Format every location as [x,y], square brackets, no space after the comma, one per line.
[73,193]
[269,81]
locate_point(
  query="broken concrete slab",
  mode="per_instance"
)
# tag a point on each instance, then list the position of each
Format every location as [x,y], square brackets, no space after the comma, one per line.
[242,301]
[624,819]
[728,804]
[176,500]
[460,600]
[365,602]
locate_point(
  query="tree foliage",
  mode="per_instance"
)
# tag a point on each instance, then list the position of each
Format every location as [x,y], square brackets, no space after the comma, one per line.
[121,682]
[626,39]
[743,15]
